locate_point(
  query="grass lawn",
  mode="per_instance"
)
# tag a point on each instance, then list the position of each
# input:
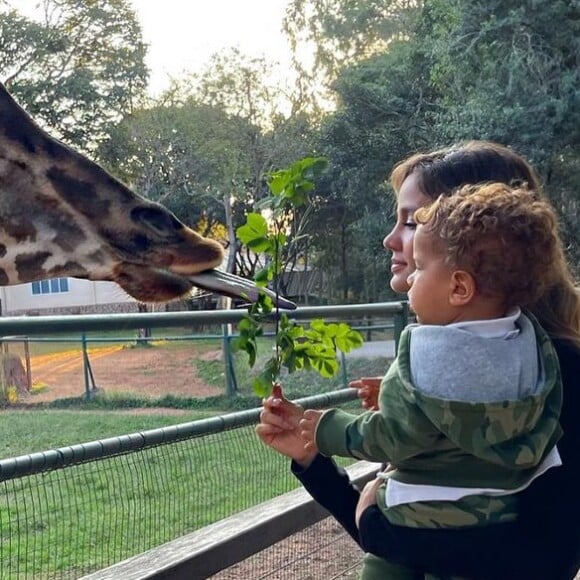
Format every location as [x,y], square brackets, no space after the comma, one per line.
[23,432]
[69,522]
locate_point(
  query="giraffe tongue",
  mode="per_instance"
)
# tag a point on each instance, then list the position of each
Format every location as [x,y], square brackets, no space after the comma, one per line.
[235,287]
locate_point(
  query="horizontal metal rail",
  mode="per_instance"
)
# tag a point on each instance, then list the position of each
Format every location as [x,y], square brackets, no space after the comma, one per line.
[38,462]
[27,325]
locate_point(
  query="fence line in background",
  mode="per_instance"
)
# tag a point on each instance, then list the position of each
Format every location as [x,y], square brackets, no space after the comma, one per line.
[26,329]
[22,325]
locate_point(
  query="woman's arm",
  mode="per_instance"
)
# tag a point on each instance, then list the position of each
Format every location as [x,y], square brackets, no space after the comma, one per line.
[330,486]
[327,483]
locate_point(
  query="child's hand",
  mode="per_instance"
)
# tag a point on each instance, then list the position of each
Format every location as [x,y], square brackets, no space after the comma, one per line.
[308,425]
[368,390]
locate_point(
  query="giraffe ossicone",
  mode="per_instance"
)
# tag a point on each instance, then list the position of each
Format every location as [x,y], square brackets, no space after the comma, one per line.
[63,215]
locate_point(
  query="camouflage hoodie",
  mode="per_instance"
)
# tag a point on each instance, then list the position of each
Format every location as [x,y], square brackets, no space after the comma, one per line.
[444,442]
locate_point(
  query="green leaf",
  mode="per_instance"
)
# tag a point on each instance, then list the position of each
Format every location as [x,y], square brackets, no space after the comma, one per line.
[350,341]
[262,386]
[264,275]
[326,368]
[239,343]
[256,227]
[298,348]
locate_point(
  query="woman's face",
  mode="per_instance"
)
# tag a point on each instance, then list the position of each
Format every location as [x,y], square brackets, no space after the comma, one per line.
[400,240]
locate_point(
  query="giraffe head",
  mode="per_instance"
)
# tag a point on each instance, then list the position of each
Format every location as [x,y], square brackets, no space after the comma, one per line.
[62,215]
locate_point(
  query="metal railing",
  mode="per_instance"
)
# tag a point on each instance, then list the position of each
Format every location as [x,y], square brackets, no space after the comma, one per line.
[70,511]
[29,332]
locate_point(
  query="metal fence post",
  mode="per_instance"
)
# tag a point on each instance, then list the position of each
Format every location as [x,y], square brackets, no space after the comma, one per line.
[90,383]
[343,369]
[400,320]
[28,365]
[231,383]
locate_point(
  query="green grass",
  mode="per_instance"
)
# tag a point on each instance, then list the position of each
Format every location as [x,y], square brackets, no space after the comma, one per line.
[23,432]
[88,516]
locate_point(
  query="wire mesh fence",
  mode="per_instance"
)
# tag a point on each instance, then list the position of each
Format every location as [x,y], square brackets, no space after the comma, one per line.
[71,511]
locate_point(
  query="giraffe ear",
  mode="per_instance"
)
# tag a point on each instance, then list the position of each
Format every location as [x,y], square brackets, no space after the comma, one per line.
[462,288]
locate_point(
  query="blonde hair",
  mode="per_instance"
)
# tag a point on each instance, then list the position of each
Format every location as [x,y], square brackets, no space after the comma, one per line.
[443,171]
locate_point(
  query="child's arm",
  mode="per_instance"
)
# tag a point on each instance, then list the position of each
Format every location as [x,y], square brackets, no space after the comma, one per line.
[397,432]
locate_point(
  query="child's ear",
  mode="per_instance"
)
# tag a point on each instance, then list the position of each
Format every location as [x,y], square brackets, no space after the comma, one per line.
[462,288]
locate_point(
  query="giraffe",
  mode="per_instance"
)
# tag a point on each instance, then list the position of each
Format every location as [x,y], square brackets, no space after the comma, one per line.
[62,215]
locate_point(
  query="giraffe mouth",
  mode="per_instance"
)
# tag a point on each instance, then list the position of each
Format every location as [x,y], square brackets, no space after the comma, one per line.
[236,287]
[148,284]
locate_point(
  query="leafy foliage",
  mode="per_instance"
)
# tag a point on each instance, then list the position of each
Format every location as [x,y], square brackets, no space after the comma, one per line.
[297,347]
[416,75]
[189,156]
[77,68]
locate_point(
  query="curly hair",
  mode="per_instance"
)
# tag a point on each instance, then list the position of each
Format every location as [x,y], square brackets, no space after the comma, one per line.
[506,238]
[442,171]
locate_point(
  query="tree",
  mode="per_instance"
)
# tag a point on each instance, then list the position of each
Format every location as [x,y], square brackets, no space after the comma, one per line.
[205,147]
[493,70]
[381,117]
[342,33]
[78,68]
[518,83]
[519,77]
[189,156]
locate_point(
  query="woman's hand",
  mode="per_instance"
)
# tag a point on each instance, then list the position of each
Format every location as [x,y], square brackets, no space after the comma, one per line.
[368,497]
[308,425]
[279,428]
[368,391]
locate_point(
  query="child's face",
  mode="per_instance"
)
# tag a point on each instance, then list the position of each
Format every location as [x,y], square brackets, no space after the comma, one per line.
[431,283]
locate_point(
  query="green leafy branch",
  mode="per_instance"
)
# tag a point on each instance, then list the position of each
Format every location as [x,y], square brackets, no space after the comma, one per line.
[297,347]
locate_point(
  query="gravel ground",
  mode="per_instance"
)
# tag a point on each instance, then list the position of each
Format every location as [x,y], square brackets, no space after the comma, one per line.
[320,552]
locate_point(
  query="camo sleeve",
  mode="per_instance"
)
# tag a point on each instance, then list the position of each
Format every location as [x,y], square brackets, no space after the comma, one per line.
[398,431]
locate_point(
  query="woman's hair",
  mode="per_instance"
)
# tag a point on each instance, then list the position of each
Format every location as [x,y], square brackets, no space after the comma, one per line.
[443,171]
[505,238]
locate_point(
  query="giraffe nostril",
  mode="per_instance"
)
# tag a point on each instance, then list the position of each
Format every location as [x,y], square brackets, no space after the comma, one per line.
[140,243]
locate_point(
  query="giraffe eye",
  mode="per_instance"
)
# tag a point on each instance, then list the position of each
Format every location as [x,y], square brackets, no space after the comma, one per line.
[158,219]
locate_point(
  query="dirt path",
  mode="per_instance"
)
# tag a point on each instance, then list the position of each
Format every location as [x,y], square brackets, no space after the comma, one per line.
[154,371]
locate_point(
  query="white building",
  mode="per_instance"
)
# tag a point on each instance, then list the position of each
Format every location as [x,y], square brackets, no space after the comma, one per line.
[64,295]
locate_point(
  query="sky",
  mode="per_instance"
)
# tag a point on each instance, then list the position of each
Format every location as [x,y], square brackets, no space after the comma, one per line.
[183,34]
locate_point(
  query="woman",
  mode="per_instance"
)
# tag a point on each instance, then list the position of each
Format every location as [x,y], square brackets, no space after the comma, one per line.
[545,541]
